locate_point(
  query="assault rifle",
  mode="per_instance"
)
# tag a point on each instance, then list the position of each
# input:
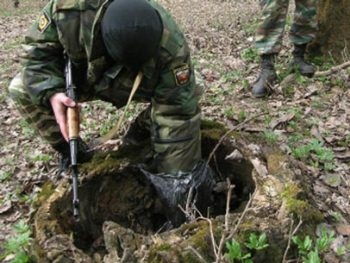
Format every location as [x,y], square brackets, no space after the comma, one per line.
[73,136]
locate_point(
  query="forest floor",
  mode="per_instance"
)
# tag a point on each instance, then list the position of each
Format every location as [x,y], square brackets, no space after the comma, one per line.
[307,119]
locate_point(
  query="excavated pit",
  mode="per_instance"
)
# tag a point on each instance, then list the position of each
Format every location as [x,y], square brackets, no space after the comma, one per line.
[115,190]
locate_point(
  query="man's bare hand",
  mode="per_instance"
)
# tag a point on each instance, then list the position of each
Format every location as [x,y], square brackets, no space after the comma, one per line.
[59,103]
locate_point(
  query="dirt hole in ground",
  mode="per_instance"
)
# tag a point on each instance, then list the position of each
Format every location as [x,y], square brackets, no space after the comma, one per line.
[126,197]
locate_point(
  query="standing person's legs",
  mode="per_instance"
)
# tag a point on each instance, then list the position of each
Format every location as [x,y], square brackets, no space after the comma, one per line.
[303,30]
[268,39]
[304,25]
[268,42]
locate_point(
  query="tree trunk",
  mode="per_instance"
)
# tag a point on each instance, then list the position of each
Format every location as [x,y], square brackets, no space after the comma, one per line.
[333,38]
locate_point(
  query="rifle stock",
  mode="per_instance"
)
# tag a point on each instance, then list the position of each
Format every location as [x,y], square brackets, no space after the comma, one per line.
[73,136]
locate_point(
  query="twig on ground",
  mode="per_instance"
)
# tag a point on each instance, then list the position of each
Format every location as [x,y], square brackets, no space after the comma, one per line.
[226,235]
[332,70]
[190,209]
[227,227]
[291,234]
[196,253]
[246,209]
[212,238]
[190,214]
[228,202]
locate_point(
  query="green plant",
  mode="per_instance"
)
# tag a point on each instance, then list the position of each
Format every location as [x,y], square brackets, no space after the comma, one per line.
[267,120]
[301,152]
[318,104]
[242,115]
[230,76]
[229,112]
[321,153]
[254,242]
[295,137]
[300,79]
[235,252]
[108,124]
[293,124]
[323,62]
[345,142]
[250,28]
[27,130]
[250,54]
[257,242]
[4,175]
[270,137]
[18,245]
[288,90]
[341,250]
[42,158]
[309,251]
[336,216]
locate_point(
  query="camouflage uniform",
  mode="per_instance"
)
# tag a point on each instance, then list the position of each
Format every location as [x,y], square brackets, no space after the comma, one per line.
[73,27]
[270,32]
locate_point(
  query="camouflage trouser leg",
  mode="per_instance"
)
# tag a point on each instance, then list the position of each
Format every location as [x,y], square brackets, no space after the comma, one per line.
[304,25]
[177,142]
[175,127]
[270,32]
[268,39]
[40,118]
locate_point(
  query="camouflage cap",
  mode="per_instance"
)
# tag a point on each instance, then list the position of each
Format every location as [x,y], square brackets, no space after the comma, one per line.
[131,31]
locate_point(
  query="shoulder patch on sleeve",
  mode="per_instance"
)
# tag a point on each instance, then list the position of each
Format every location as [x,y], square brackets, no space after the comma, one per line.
[43,22]
[182,74]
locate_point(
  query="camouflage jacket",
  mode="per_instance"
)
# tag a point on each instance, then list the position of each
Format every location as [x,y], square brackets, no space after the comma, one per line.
[73,27]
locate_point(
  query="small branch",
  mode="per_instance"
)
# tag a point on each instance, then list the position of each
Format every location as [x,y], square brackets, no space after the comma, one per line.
[228,202]
[215,246]
[246,209]
[196,253]
[332,70]
[291,234]
[235,128]
[218,249]
[190,214]
[227,227]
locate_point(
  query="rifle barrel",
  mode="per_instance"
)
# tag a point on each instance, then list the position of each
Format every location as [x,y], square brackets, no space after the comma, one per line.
[75,194]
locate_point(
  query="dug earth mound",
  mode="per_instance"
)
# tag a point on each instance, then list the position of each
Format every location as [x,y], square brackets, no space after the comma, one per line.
[121,219]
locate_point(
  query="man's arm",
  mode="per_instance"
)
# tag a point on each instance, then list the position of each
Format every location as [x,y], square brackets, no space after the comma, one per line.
[43,61]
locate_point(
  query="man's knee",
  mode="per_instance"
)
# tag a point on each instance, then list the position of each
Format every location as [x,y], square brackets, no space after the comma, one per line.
[17,91]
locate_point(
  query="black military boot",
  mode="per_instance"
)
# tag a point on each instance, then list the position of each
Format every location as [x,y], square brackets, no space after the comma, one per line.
[267,77]
[299,64]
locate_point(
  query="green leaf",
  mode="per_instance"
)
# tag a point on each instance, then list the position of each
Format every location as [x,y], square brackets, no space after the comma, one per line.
[257,242]
[313,257]
[323,242]
[234,250]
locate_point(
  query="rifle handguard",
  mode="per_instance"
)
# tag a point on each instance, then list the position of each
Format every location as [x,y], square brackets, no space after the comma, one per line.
[73,122]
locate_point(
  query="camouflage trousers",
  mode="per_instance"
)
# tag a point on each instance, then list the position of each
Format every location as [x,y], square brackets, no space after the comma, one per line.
[175,123]
[269,34]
